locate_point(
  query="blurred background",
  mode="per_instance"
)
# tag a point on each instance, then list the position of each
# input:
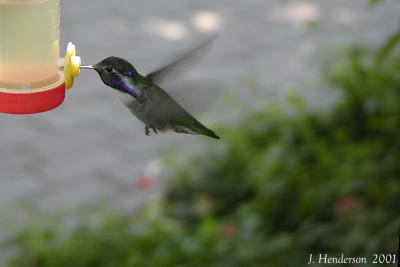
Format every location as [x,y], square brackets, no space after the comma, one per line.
[305,96]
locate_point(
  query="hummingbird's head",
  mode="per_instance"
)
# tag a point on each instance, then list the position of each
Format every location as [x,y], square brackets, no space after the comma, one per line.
[113,71]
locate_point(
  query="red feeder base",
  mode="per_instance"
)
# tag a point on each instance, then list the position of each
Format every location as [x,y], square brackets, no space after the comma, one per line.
[13,102]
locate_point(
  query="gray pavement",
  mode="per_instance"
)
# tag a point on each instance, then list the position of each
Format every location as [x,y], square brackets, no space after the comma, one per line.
[91,147]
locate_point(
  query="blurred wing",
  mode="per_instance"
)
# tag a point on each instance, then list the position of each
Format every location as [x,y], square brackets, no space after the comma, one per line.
[196,96]
[179,65]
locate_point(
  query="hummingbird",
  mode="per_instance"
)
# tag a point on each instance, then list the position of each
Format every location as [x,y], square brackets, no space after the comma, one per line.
[146,100]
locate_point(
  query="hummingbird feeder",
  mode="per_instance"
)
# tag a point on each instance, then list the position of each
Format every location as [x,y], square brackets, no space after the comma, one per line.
[31,80]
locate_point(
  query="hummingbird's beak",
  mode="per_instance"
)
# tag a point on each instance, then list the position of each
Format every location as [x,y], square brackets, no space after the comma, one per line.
[90,67]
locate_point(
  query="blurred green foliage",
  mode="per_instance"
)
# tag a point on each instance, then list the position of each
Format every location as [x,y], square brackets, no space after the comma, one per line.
[372,3]
[277,188]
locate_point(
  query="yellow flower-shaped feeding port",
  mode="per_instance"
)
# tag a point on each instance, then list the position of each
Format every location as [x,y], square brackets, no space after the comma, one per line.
[71,65]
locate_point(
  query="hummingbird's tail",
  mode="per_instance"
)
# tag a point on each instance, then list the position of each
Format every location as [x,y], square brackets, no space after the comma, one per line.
[210,133]
[196,128]
[201,129]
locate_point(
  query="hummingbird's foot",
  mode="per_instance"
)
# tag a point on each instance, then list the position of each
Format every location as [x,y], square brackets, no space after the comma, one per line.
[147,130]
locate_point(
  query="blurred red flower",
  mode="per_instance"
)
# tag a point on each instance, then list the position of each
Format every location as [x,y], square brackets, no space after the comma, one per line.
[228,230]
[344,205]
[146,182]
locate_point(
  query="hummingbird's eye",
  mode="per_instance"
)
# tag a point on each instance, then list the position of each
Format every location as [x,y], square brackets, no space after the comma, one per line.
[109,69]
